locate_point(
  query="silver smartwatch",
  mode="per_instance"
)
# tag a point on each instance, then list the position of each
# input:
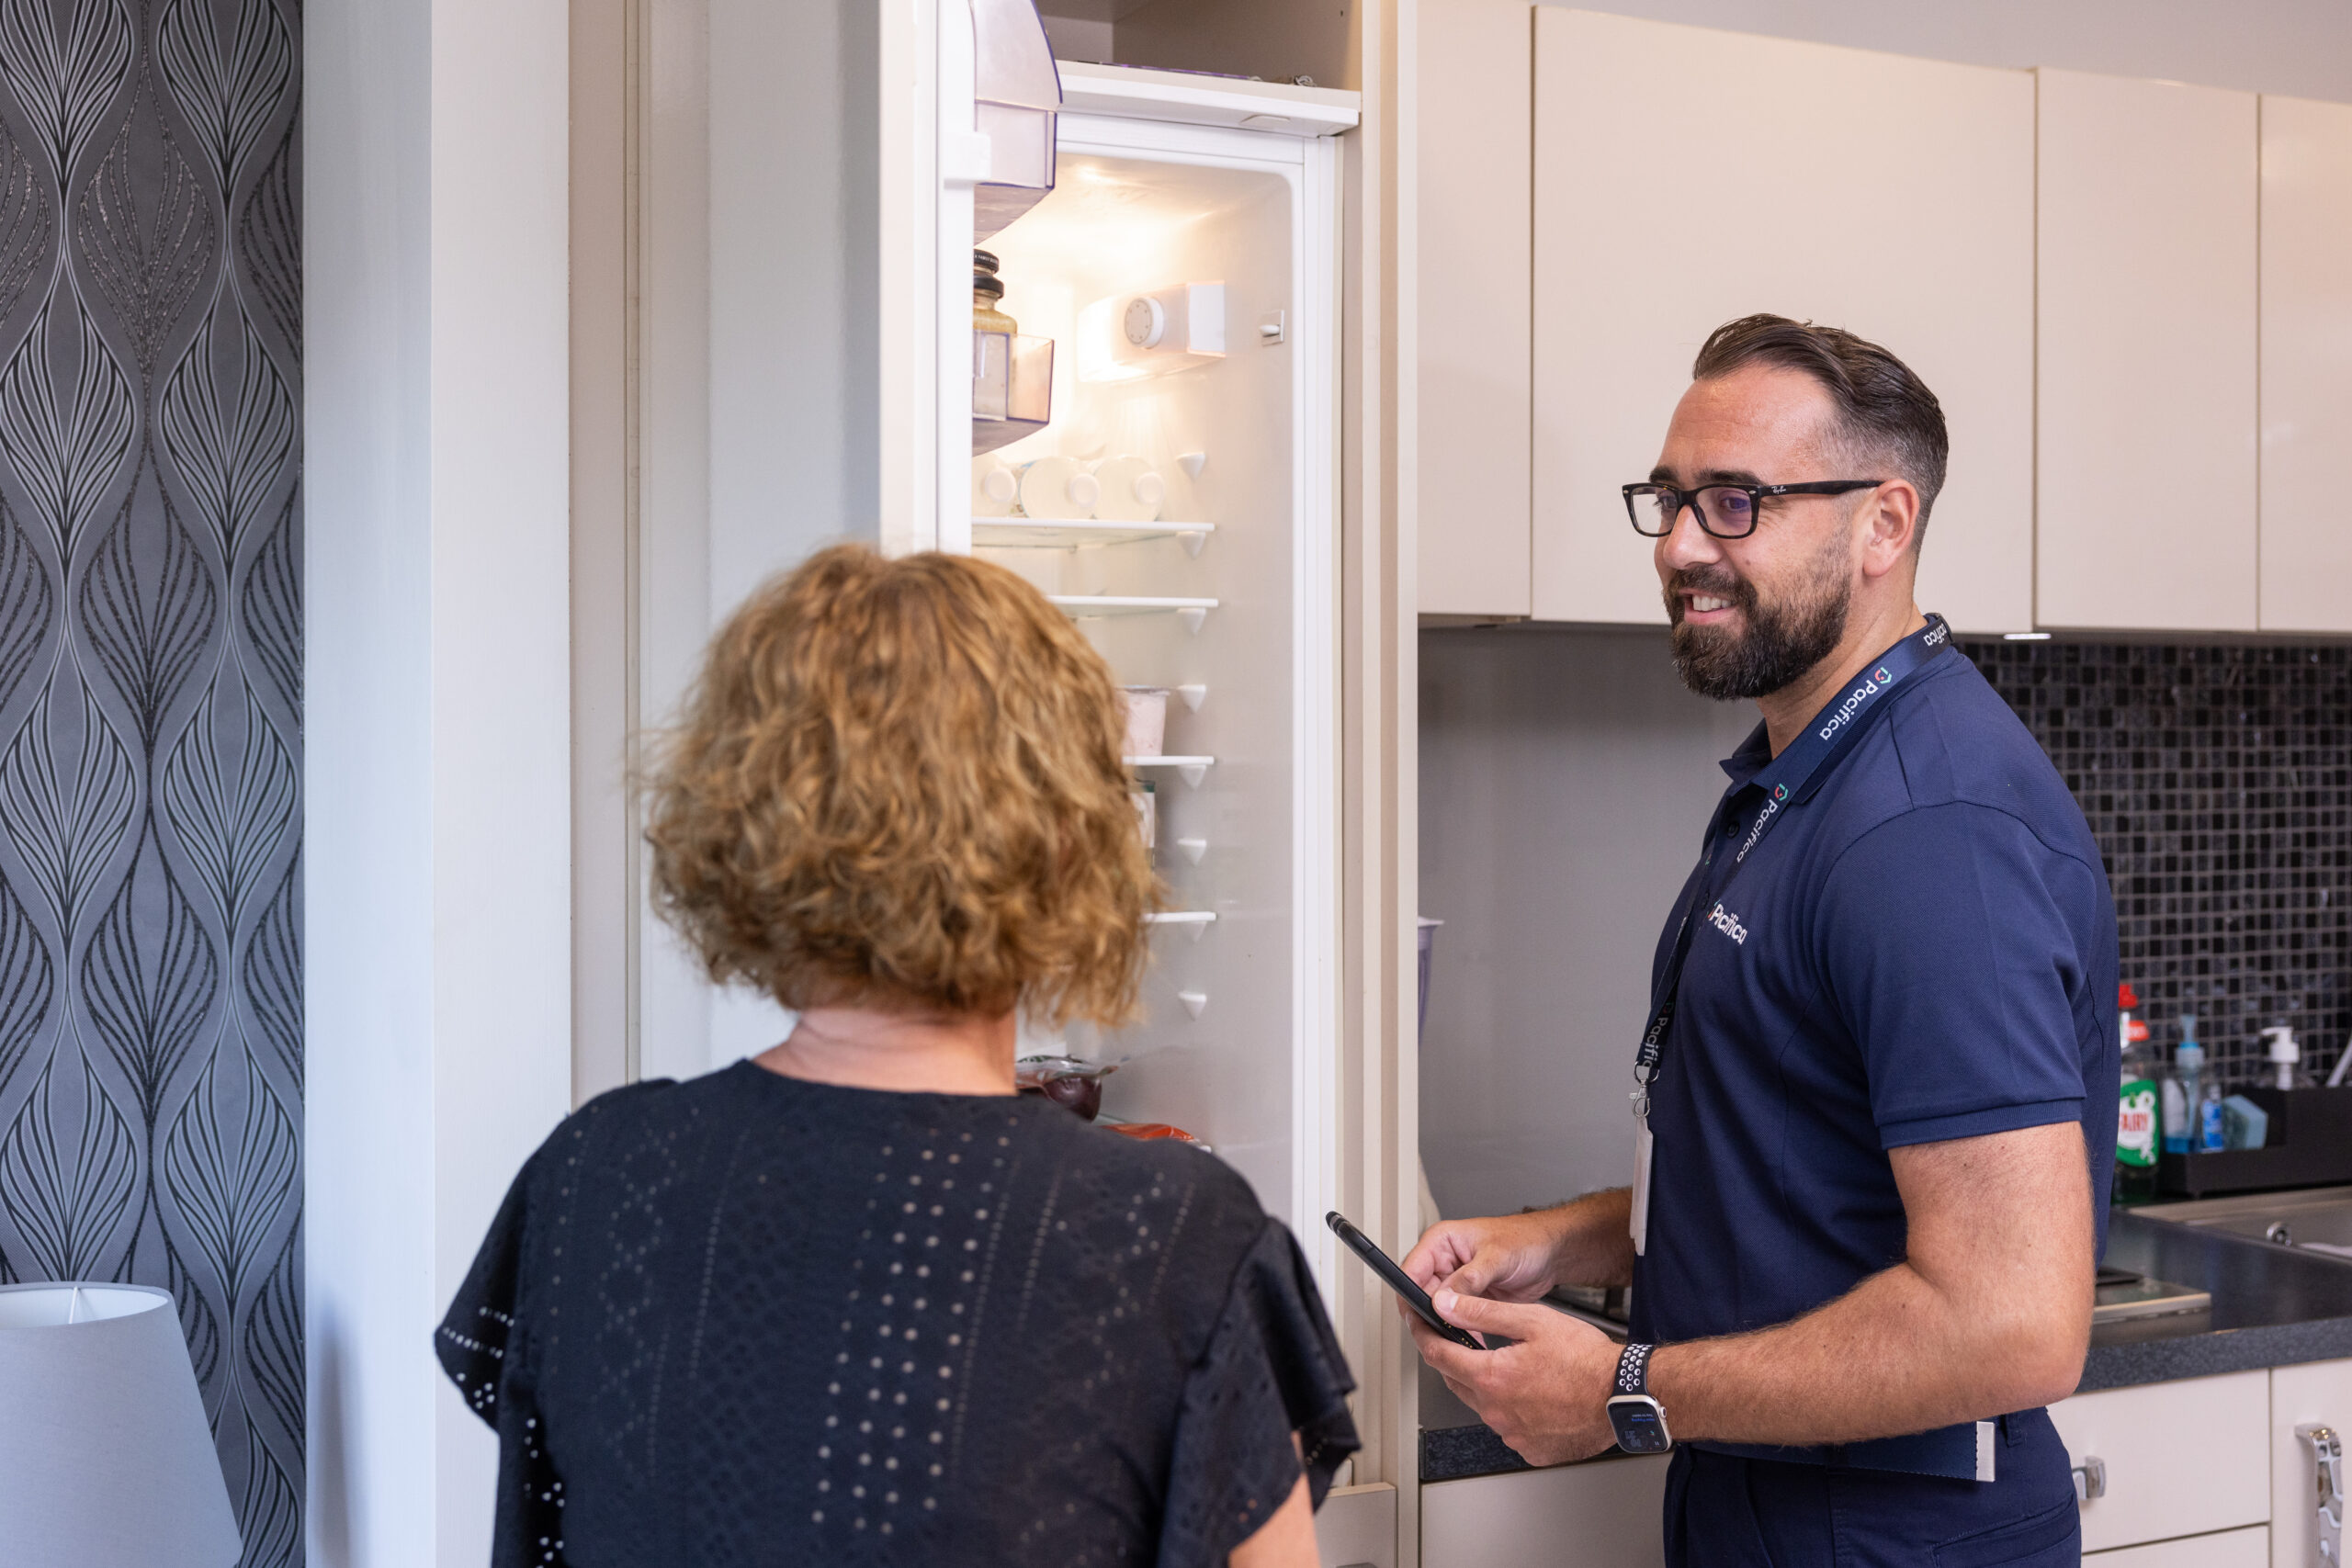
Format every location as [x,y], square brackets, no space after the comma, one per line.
[1638,1420]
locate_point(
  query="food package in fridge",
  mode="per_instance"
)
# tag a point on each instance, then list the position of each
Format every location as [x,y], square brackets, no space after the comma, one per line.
[1057,489]
[1133,491]
[1147,720]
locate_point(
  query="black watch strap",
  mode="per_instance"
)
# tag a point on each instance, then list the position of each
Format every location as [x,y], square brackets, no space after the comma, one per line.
[1634,1370]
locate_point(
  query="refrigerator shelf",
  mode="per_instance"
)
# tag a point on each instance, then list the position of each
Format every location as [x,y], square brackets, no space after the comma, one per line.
[1192,922]
[1089,606]
[1030,534]
[1192,767]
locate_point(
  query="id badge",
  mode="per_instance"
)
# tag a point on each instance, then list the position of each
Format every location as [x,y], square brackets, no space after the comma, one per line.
[1641,1225]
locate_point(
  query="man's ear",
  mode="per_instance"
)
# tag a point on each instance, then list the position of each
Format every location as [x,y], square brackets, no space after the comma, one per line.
[1890,519]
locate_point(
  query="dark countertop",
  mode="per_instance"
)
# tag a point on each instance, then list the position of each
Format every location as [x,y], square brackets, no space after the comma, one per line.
[2272,1307]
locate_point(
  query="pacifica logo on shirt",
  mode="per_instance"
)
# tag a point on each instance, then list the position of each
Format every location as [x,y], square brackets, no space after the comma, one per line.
[1724,920]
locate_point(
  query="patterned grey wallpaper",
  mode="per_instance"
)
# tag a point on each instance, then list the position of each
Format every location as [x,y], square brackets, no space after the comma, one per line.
[151,651]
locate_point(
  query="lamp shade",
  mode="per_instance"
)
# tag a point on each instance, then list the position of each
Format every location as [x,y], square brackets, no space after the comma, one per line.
[105,1458]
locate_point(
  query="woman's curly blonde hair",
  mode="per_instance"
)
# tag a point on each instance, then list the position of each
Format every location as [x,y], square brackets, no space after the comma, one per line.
[897,784]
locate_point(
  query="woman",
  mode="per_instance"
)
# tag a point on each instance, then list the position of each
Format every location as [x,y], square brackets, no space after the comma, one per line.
[855,1300]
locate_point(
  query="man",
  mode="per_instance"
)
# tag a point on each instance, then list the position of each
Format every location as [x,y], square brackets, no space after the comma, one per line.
[1880,1074]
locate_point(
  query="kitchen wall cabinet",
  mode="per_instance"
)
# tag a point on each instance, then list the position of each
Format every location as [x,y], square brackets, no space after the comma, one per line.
[1599,1515]
[2249,1548]
[2182,1458]
[2147,406]
[2306,539]
[1464,314]
[1685,176]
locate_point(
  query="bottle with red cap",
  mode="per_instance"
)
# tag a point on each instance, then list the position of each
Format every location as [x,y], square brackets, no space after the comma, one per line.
[2136,1126]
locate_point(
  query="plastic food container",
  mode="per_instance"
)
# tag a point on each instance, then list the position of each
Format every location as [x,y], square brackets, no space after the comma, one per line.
[1155,1130]
[1146,803]
[1065,1080]
[1057,489]
[1133,491]
[1147,721]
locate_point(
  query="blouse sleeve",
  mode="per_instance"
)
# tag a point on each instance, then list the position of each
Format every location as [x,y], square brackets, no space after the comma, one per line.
[483,1345]
[1272,1367]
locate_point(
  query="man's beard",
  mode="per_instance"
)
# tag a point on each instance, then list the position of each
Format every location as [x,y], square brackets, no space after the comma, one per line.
[1783,641]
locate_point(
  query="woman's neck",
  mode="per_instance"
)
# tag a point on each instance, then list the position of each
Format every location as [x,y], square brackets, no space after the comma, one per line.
[929,1053]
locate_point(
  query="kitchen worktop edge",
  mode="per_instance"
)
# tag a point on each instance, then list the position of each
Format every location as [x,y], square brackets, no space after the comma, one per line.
[2271,1307]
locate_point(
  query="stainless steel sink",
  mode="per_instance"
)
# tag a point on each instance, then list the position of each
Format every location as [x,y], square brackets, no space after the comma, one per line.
[2318,1221]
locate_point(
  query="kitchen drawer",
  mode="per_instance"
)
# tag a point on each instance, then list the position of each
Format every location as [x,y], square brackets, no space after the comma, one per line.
[1601,1514]
[2229,1549]
[2319,1393]
[2182,1458]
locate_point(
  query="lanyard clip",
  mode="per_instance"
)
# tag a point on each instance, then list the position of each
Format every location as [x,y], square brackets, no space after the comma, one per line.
[1640,1099]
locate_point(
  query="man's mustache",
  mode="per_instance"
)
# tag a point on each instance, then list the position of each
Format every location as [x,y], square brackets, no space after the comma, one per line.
[1716,581]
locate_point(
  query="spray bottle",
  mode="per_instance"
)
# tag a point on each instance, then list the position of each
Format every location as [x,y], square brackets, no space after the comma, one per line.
[2135,1119]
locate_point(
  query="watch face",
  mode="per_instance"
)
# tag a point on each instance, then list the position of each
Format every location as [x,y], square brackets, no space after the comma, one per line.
[1640,1424]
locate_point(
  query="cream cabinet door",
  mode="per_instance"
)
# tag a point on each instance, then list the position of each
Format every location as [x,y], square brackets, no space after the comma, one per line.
[2145,510]
[1684,178]
[2320,1395]
[2182,1458]
[1464,338]
[2229,1549]
[1606,1514]
[2306,366]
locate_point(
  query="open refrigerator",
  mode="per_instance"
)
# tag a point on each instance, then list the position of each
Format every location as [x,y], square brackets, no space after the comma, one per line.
[1154,445]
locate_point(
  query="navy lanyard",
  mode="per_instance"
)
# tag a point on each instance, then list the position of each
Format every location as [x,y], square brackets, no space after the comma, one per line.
[1781,780]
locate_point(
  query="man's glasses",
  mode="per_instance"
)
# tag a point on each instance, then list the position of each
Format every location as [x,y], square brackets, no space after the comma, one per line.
[1728,511]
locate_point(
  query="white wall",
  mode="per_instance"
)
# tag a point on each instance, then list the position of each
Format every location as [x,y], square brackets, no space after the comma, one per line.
[761,369]
[1565,778]
[437,874]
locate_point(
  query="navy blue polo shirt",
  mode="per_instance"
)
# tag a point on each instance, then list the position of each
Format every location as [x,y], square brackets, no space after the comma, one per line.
[1922,949]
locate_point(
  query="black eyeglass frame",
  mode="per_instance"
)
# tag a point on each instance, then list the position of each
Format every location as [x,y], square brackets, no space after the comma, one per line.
[1756,497]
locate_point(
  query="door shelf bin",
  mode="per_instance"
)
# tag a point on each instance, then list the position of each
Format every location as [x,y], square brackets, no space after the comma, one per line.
[1013,388]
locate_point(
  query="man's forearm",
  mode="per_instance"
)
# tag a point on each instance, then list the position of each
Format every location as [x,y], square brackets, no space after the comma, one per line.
[1595,1244]
[1891,1356]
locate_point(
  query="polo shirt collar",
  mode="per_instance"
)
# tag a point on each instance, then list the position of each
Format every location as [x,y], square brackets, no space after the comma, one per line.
[1755,754]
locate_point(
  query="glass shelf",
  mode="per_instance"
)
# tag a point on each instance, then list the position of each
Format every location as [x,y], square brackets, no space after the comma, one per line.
[1192,922]
[1044,533]
[1088,606]
[1192,768]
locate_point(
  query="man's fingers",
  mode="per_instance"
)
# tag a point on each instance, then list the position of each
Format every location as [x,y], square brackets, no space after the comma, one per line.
[1472,1278]
[1433,1257]
[1482,1315]
[1449,1361]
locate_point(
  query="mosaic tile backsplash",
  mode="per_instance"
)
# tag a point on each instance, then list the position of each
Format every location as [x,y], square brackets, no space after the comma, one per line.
[2219,783]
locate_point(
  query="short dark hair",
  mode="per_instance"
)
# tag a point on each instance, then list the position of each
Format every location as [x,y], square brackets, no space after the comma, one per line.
[1882,406]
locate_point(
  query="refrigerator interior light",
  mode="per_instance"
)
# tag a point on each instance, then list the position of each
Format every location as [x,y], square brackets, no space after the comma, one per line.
[1126,337]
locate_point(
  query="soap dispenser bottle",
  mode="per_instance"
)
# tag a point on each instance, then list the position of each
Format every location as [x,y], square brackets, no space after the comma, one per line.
[2286,1057]
[2179,1088]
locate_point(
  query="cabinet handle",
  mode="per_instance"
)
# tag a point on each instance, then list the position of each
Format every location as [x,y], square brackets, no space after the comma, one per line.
[2090,1479]
[2327,1492]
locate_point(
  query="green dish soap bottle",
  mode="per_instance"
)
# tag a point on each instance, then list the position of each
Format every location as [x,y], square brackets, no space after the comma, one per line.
[2136,1123]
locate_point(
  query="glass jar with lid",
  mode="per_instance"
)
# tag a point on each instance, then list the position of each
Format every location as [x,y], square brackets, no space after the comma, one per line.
[986,290]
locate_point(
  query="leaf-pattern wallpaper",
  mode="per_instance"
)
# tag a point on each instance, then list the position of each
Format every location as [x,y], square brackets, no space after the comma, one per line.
[151,657]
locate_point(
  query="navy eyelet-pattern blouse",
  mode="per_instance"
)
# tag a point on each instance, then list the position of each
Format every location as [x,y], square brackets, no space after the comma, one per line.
[747,1319]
